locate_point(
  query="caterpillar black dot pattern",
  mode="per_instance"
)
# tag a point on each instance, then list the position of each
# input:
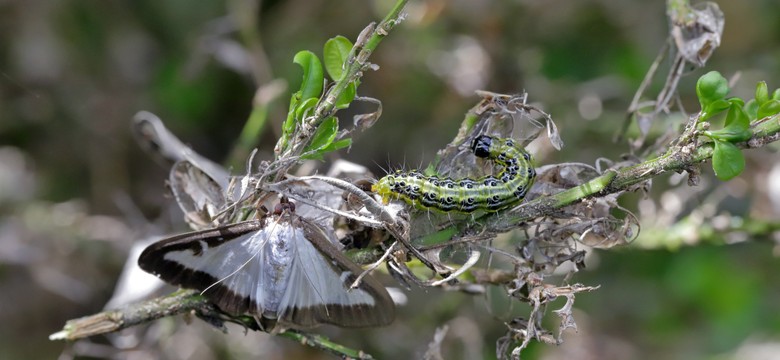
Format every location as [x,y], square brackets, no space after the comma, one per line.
[489,193]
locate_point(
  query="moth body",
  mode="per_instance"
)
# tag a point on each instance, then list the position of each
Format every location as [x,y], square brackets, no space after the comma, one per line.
[283,269]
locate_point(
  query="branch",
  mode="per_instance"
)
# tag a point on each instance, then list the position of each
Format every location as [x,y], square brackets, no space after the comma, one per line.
[180,302]
[189,301]
[685,155]
[327,105]
[677,159]
[115,320]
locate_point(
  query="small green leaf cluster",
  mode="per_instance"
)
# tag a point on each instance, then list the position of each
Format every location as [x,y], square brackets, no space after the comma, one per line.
[303,102]
[711,89]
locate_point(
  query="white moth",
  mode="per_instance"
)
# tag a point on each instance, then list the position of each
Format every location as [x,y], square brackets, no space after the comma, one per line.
[283,269]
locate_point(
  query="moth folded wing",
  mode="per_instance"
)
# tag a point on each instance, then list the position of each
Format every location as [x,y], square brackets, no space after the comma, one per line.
[219,262]
[318,289]
[199,196]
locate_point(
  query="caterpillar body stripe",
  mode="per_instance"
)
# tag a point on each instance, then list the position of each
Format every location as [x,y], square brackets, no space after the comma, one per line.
[489,193]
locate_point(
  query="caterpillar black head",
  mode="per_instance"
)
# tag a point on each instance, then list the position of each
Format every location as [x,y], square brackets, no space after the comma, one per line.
[481,146]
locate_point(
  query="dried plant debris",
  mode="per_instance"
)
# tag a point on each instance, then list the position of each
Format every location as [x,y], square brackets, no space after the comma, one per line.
[366,120]
[697,30]
[521,331]
[591,222]
[199,196]
[453,245]
[152,135]
[456,243]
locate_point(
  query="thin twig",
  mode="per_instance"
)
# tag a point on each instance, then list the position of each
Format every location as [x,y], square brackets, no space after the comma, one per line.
[614,181]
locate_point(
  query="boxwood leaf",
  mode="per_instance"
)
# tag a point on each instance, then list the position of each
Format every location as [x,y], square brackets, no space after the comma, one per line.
[311,86]
[324,135]
[769,108]
[751,108]
[335,54]
[346,97]
[711,87]
[737,126]
[727,160]
[762,93]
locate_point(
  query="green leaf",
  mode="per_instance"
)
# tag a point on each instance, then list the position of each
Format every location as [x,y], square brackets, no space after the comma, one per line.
[762,93]
[313,76]
[713,109]
[727,160]
[776,94]
[289,124]
[346,97]
[736,101]
[300,110]
[769,108]
[338,145]
[335,54]
[711,87]
[737,118]
[751,108]
[324,135]
[737,126]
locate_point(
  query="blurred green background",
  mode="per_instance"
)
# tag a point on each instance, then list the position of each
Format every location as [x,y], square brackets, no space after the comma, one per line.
[701,282]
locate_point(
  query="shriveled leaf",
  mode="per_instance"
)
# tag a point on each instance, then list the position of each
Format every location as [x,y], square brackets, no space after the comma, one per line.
[367,120]
[335,54]
[727,160]
[151,133]
[311,86]
[199,196]
[697,30]
[553,134]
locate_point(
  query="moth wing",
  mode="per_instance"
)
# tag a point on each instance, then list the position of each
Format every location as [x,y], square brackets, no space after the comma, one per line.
[224,263]
[198,194]
[318,288]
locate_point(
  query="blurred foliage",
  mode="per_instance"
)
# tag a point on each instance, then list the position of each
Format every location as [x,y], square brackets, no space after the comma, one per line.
[73,73]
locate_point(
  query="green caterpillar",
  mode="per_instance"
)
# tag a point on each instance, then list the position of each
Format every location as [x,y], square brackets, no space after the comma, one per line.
[489,193]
